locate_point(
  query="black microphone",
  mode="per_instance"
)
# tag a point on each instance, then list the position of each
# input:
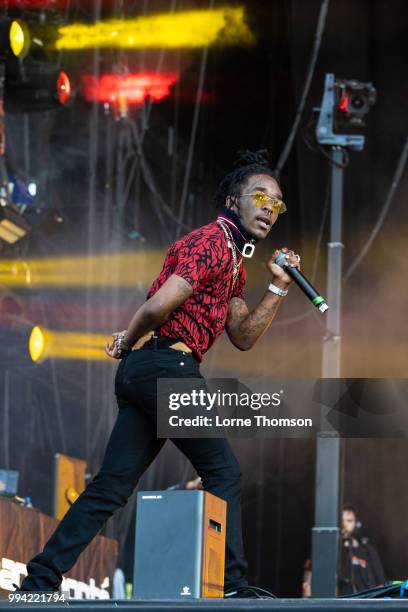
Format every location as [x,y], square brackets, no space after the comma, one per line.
[302,282]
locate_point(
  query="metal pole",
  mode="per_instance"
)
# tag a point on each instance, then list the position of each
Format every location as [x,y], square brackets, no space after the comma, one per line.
[6,419]
[332,345]
[325,534]
[92,208]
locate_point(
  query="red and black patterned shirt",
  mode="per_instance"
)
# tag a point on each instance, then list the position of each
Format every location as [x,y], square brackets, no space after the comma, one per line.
[205,261]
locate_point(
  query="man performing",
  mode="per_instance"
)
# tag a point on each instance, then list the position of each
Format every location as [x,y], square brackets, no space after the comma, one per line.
[198,294]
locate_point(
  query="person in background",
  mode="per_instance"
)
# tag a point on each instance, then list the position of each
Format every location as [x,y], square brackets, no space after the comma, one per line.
[360,566]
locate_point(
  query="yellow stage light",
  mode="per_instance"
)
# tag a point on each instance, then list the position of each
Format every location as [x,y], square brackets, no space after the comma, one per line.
[14,37]
[199,28]
[44,343]
[37,344]
[18,38]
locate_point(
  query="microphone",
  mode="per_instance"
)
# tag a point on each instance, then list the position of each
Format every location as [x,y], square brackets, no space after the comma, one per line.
[302,282]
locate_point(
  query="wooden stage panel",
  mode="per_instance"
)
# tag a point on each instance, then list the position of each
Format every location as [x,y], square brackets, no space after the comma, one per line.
[24,532]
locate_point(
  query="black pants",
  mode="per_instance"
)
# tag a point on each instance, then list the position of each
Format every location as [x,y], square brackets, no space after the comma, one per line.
[131,449]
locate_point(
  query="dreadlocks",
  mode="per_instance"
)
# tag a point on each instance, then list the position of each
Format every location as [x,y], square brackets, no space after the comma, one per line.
[247,163]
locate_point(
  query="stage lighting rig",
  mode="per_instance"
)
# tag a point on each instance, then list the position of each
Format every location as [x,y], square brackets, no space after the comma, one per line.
[35,86]
[30,84]
[13,226]
[353,99]
[14,38]
[44,343]
[24,86]
[345,103]
[21,195]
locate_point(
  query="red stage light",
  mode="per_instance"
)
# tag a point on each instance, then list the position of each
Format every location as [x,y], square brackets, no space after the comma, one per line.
[344,104]
[63,87]
[130,88]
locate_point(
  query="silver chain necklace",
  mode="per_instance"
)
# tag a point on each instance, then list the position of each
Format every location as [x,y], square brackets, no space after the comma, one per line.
[234,249]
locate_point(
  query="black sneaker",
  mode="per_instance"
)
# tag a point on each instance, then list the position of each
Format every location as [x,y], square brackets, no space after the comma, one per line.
[248,592]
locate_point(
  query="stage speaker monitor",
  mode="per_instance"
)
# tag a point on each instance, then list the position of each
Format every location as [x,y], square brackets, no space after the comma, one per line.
[69,482]
[180,545]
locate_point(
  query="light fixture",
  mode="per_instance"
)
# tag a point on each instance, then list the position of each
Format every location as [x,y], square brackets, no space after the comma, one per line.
[32,189]
[14,37]
[13,226]
[344,105]
[37,344]
[20,193]
[353,99]
[36,87]
[63,88]
[44,343]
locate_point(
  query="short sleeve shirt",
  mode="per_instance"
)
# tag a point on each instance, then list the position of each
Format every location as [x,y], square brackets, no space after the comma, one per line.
[204,259]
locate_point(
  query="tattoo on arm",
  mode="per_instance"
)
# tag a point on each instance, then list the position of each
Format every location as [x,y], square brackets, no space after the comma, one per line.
[245,328]
[155,311]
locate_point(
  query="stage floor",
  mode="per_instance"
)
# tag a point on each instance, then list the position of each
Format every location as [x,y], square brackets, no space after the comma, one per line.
[222,605]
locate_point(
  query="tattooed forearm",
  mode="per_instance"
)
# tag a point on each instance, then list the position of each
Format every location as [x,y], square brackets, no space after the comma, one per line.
[174,292]
[245,328]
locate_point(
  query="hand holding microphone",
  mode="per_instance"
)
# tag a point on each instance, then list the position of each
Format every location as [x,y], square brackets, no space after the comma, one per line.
[289,264]
[280,276]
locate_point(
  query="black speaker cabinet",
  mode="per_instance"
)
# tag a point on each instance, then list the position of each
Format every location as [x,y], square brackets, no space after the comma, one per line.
[180,545]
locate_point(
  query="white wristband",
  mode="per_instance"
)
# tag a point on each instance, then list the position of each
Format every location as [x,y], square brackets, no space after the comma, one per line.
[274,289]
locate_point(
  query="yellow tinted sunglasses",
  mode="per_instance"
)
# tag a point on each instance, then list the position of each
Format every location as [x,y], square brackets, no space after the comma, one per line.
[261,199]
